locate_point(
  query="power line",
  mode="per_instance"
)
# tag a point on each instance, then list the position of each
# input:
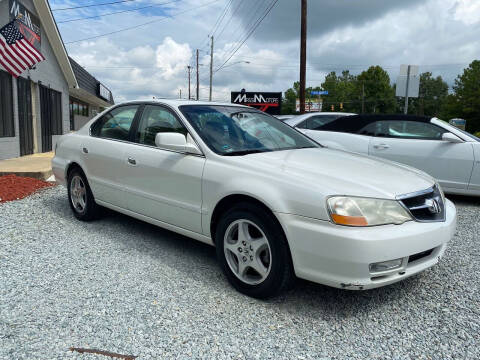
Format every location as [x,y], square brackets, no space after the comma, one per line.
[252,15]
[274,2]
[84,6]
[230,19]
[221,17]
[116,12]
[146,23]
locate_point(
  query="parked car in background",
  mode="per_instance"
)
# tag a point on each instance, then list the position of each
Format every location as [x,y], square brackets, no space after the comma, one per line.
[284,117]
[273,202]
[312,121]
[447,153]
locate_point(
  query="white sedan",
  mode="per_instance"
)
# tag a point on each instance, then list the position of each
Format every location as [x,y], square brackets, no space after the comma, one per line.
[273,202]
[450,155]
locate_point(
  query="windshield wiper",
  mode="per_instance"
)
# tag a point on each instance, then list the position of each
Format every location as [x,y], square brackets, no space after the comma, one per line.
[245,152]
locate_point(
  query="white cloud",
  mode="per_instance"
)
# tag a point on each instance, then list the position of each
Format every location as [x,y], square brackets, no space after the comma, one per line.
[152,60]
[467,11]
[171,57]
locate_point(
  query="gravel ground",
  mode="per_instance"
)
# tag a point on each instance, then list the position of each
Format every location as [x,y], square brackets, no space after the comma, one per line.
[124,286]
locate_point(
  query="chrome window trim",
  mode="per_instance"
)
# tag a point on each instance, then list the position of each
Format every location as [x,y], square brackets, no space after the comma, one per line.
[144,145]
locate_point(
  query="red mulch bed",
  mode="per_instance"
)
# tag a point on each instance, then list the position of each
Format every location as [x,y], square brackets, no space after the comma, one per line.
[14,187]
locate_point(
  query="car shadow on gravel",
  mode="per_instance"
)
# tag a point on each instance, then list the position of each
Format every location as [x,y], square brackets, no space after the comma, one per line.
[197,261]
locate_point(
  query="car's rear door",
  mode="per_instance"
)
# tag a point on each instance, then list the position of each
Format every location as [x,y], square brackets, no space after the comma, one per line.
[419,144]
[103,153]
[162,184]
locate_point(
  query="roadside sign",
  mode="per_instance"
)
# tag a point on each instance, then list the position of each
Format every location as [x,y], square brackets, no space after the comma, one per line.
[459,123]
[324,92]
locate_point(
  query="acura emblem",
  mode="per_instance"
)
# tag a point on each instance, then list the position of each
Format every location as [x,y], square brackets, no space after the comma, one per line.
[433,206]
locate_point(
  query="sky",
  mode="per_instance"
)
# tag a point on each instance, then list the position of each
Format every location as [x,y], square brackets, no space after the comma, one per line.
[151,59]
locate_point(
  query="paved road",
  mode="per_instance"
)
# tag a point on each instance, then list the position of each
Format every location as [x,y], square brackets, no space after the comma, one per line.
[124,286]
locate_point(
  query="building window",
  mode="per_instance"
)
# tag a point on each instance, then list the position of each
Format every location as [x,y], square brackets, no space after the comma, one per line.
[78,107]
[6,105]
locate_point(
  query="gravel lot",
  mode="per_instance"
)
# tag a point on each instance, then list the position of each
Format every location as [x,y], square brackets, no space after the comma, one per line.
[128,287]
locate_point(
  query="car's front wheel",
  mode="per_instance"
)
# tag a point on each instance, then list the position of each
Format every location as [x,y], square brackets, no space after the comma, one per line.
[253,251]
[80,196]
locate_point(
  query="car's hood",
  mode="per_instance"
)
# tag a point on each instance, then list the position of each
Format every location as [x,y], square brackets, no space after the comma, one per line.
[339,173]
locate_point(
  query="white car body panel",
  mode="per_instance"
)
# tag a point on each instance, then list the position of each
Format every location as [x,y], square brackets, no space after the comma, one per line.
[180,192]
[454,165]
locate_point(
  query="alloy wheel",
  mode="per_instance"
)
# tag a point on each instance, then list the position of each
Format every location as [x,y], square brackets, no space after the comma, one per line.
[78,193]
[247,252]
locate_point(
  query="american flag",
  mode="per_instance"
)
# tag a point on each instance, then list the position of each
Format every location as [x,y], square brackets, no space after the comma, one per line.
[16,53]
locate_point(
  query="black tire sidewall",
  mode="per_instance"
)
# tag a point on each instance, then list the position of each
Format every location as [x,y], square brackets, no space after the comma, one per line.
[279,252]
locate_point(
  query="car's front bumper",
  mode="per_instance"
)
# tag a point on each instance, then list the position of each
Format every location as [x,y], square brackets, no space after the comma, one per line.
[340,256]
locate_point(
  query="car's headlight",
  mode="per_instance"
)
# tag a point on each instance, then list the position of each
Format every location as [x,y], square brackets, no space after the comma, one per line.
[358,211]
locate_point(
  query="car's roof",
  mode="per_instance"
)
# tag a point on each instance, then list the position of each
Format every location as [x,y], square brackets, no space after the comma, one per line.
[376,117]
[180,102]
[298,119]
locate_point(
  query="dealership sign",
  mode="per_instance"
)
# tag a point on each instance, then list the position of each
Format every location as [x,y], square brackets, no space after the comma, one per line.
[27,23]
[103,92]
[270,102]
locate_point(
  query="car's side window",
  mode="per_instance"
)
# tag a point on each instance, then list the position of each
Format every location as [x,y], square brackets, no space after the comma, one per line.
[115,124]
[404,130]
[156,119]
[317,122]
[303,124]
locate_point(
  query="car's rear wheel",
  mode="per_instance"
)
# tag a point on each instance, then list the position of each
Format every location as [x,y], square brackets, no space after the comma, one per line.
[80,196]
[253,251]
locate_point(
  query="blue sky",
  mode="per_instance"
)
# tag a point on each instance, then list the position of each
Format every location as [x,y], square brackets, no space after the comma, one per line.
[439,35]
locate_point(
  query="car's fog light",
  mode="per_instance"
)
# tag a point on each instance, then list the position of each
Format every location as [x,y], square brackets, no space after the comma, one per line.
[385,265]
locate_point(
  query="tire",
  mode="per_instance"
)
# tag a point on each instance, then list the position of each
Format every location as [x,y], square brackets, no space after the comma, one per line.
[258,263]
[81,201]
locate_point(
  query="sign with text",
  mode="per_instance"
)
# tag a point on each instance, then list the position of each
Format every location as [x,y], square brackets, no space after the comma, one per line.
[27,23]
[269,102]
[103,92]
[316,92]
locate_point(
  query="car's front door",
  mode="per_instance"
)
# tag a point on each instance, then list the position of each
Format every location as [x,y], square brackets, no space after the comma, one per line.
[162,184]
[419,144]
[103,153]
[475,179]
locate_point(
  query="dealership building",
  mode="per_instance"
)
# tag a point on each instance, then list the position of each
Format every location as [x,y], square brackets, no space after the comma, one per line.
[54,97]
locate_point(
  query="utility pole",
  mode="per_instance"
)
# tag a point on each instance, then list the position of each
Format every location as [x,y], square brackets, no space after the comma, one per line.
[198,80]
[363,97]
[189,73]
[180,93]
[406,91]
[303,56]
[211,68]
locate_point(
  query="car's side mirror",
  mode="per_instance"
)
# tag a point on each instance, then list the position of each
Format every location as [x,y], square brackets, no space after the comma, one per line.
[177,142]
[451,138]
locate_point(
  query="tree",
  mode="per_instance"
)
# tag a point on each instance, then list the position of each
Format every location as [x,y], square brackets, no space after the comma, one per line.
[291,96]
[465,103]
[342,92]
[432,94]
[379,94]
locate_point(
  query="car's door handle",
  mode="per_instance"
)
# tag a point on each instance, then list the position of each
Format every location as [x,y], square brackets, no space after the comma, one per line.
[381,146]
[132,161]
[85,150]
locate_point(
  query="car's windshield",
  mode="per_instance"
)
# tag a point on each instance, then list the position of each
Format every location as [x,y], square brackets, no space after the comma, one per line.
[230,130]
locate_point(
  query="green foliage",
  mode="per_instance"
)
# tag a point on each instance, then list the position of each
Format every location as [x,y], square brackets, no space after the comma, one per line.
[433,93]
[467,92]
[373,90]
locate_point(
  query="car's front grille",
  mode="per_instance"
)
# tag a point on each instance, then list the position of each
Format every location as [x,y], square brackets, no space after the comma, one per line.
[425,206]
